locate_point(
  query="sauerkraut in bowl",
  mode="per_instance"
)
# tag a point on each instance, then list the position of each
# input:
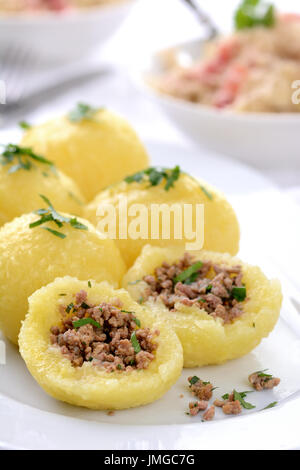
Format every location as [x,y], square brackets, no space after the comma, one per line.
[21,6]
[252,70]
[59,30]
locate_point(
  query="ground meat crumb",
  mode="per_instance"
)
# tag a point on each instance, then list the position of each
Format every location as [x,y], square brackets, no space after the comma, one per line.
[209,414]
[232,407]
[197,406]
[212,287]
[261,381]
[219,403]
[105,335]
[201,390]
[110,413]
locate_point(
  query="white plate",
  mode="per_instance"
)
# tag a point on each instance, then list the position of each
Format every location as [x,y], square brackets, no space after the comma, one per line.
[64,36]
[264,139]
[30,419]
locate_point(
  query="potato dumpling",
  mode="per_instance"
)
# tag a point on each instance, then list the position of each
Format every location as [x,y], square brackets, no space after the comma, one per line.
[32,257]
[207,338]
[20,188]
[90,385]
[221,228]
[96,149]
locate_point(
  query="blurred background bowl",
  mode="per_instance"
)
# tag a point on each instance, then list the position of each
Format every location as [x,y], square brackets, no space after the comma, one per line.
[63,36]
[263,139]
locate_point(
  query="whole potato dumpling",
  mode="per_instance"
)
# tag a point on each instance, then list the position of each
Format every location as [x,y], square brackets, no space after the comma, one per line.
[209,334]
[92,382]
[221,228]
[20,188]
[94,147]
[32,257]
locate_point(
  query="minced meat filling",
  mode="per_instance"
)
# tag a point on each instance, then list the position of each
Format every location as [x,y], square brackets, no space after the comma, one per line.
[218,289]
[104,335]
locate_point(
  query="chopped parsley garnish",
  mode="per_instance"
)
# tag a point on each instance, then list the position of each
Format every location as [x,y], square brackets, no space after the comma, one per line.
[69,307]
[239,293]
[261,373]
[135,343]
[190,274]
[119,367]
[252,13]
[206,192]
[89,284]
[85,306]
[23,158]
[193,380]
[208,288]
[240,397]
[86,321]
[51,215]
[155,175]
[141,300]
[82,111]
[55,232]
[24,125]
[137,322]
[271,405]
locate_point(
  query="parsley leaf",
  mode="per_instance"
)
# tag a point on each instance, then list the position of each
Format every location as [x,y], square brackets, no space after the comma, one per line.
[82,111]
[240,397]
[137,322]
[193,380]
[86,321]
[51,215]
[55,232]
[155,175]
[271,405]
[206,192]
[261,373]
[239,293]
[135,343]
[23,157]
[188,275]
[252,13]
[24,125]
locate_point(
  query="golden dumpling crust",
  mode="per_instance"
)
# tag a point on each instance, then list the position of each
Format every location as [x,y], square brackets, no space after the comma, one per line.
[207,340]
[88,385]
[19,191]
[221,228]
[95,152]
[31,258]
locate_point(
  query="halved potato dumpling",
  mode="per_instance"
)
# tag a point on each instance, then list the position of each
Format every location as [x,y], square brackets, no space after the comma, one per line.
[221,228]
[19,191]
[205,339]
[89,385]
[32,257]
[96,151]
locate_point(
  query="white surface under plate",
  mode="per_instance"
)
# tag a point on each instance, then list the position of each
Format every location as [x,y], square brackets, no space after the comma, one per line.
[31,419]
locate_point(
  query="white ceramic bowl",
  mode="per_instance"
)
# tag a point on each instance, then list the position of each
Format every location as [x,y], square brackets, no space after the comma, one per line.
[63,36]
[267,140]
